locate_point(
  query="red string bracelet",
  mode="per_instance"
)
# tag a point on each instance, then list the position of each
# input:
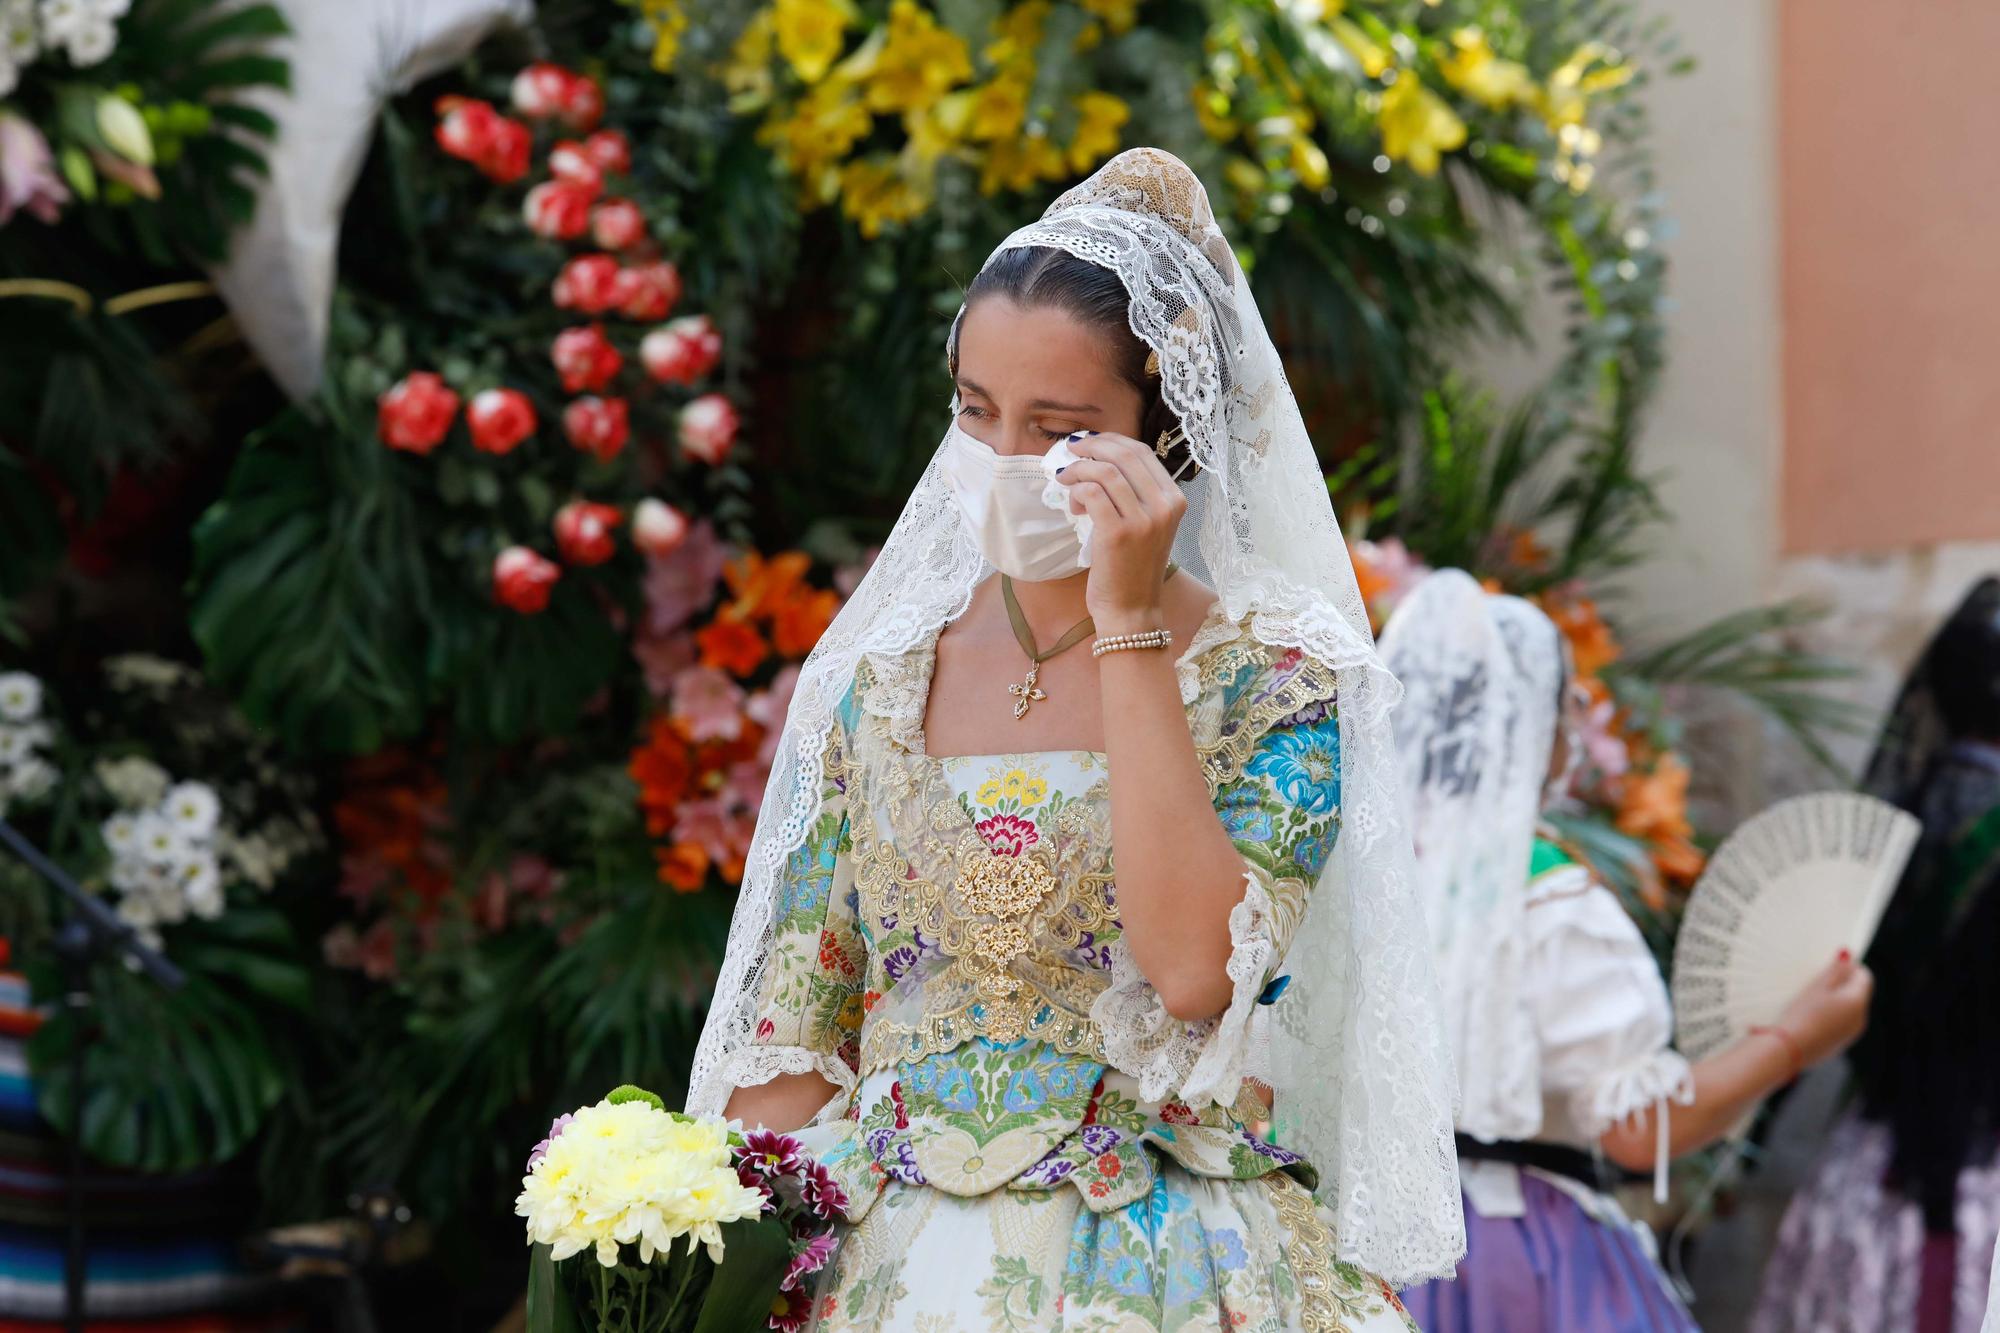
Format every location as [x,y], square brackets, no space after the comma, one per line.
[1789,1042]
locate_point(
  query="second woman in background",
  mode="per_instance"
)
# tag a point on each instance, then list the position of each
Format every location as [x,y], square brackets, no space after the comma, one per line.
[1555,1007]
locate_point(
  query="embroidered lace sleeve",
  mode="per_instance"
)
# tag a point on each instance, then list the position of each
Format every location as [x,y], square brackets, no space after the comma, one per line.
[1273,756]
[809,1012]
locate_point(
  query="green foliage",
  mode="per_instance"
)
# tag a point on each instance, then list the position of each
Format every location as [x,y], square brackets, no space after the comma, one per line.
[183,1079]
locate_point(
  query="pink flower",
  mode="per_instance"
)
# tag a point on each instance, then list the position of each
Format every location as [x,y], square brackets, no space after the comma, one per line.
[531,876]
[28,179]
[662,657]
[709,704]
[707,428]
[570,164]
[617,224]
[506,157]
[598,426]
[558,210]
[767,708]
[724,833]
[377,953]
[499,420]
[648,291]
[658,527]
[682,351]
[583,105]
[540,90]
[772,1154]
[585,358]
[465,126]
[610,150]
[583,532]
[541,1149]
[743,786]
[587,283]
[1603,748]
[812,1257]
[848,577]
[416,413]
[523,580]
[341,946]
[1008,835]
[683,583]
[1397,566]
[823,1193]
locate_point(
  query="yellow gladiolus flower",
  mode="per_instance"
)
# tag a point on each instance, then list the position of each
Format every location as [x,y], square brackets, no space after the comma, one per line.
[669,21]
[747,72]
[1574,83]
[1417,126]
[815,134]
[919,61]
[1476,71]
[1309,162]
[1211,109]
[1373,58]
[1118,15]
[939,128]
[875,193]
[999,108]
[811,33]
[1098,116]
[1018,33]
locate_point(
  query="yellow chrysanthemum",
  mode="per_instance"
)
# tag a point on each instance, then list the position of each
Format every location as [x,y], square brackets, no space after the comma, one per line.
[1474,69]
[919,61]
[874,192]
[1118,15]
[1417,126]
[810,34]
[1098,118]
[632,1174]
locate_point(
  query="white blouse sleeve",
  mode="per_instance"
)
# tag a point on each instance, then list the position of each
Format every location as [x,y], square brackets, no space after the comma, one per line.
[1601,1012]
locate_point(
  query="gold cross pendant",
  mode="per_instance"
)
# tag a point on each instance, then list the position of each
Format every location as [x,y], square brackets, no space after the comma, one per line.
[1026,695]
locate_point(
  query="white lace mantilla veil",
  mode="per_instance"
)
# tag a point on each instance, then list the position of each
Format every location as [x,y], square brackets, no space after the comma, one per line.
[1482,678]
[1358,1057]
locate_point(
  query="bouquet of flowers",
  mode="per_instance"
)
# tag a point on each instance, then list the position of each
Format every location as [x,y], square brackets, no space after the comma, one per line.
[616,1184]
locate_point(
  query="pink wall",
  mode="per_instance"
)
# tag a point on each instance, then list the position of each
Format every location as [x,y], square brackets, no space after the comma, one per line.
[1889,143]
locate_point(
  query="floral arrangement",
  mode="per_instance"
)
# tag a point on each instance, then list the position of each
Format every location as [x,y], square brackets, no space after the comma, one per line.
[25,771]
[622,1181]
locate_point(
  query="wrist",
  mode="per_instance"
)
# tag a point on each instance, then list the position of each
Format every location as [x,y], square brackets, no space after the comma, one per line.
[1128,619]
[1795,1055]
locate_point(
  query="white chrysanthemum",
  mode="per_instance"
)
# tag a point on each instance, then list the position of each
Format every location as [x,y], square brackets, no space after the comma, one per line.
[200,883]
[20,43]
[633,1174]
[142,670]
[121,834]
[135,782]
[14,745]
[20,693]
[91,42]
[255,857]
[193,809]
[34,777]
[160,843]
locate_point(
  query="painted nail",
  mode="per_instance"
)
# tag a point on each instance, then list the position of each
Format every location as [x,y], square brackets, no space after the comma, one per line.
[1847,955]
[1062,469]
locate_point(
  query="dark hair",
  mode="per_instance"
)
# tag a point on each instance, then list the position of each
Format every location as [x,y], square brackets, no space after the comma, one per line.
[1043,277]
[1963,666]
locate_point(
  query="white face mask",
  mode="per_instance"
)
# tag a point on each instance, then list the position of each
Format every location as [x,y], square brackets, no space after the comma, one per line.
[1019,532]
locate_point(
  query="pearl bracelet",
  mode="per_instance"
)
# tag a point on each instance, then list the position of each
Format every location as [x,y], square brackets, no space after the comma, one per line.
[1125,643]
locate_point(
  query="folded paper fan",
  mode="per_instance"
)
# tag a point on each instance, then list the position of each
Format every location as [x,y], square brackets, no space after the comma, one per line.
[1782,895]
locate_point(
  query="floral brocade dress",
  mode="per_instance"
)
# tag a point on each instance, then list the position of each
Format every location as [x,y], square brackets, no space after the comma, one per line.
[1011,1129]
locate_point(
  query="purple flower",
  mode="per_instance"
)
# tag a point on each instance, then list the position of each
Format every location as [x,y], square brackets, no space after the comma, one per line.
[811,1257]
[901,1164]
[823,1193]
[28,179]
[1100,1139]
[771,1154]
[898,961]
[555,1132]
[1282,1156]
[1051,1170]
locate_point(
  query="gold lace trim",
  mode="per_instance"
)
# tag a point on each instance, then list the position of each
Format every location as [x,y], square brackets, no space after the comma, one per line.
[1309,1252]
[1309,682]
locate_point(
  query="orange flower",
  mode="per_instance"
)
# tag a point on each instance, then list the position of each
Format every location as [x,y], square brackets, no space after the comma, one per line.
[1525,550]
[1591,641]
[1653,804]
[800,617]
[1372,582]
[759,583]
[662,767]
[732,646]
[684,865]
[1679,860]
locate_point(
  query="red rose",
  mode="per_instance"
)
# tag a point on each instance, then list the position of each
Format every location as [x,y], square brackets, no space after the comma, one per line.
[569,163]
[583,532]
[557,210]
[523,580]
[416,413]
[610,150]
[707,428]
[505,159]
[466,126]
[585,358]
[598,426]
[583,105]
[683,351]
[499,420]
[541,90]
[657,527]
[648,291]
[617,224]
[587,283]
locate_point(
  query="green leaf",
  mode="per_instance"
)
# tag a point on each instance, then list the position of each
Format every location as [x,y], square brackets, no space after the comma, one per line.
[549,1306]
[755,1254]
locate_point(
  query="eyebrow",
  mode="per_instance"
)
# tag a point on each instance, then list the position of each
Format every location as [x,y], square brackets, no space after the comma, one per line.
[1040,404]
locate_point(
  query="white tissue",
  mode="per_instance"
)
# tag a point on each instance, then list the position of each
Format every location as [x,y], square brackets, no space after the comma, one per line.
[1056,496]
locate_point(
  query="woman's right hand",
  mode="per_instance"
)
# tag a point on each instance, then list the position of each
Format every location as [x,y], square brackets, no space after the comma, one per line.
[1831,1011]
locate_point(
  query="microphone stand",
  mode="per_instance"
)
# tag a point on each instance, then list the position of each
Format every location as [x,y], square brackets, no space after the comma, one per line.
[91,933]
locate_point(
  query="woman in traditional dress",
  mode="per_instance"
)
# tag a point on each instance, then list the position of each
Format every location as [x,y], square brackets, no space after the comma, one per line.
[1094,765]
[1557,1013]
[1894,1229]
